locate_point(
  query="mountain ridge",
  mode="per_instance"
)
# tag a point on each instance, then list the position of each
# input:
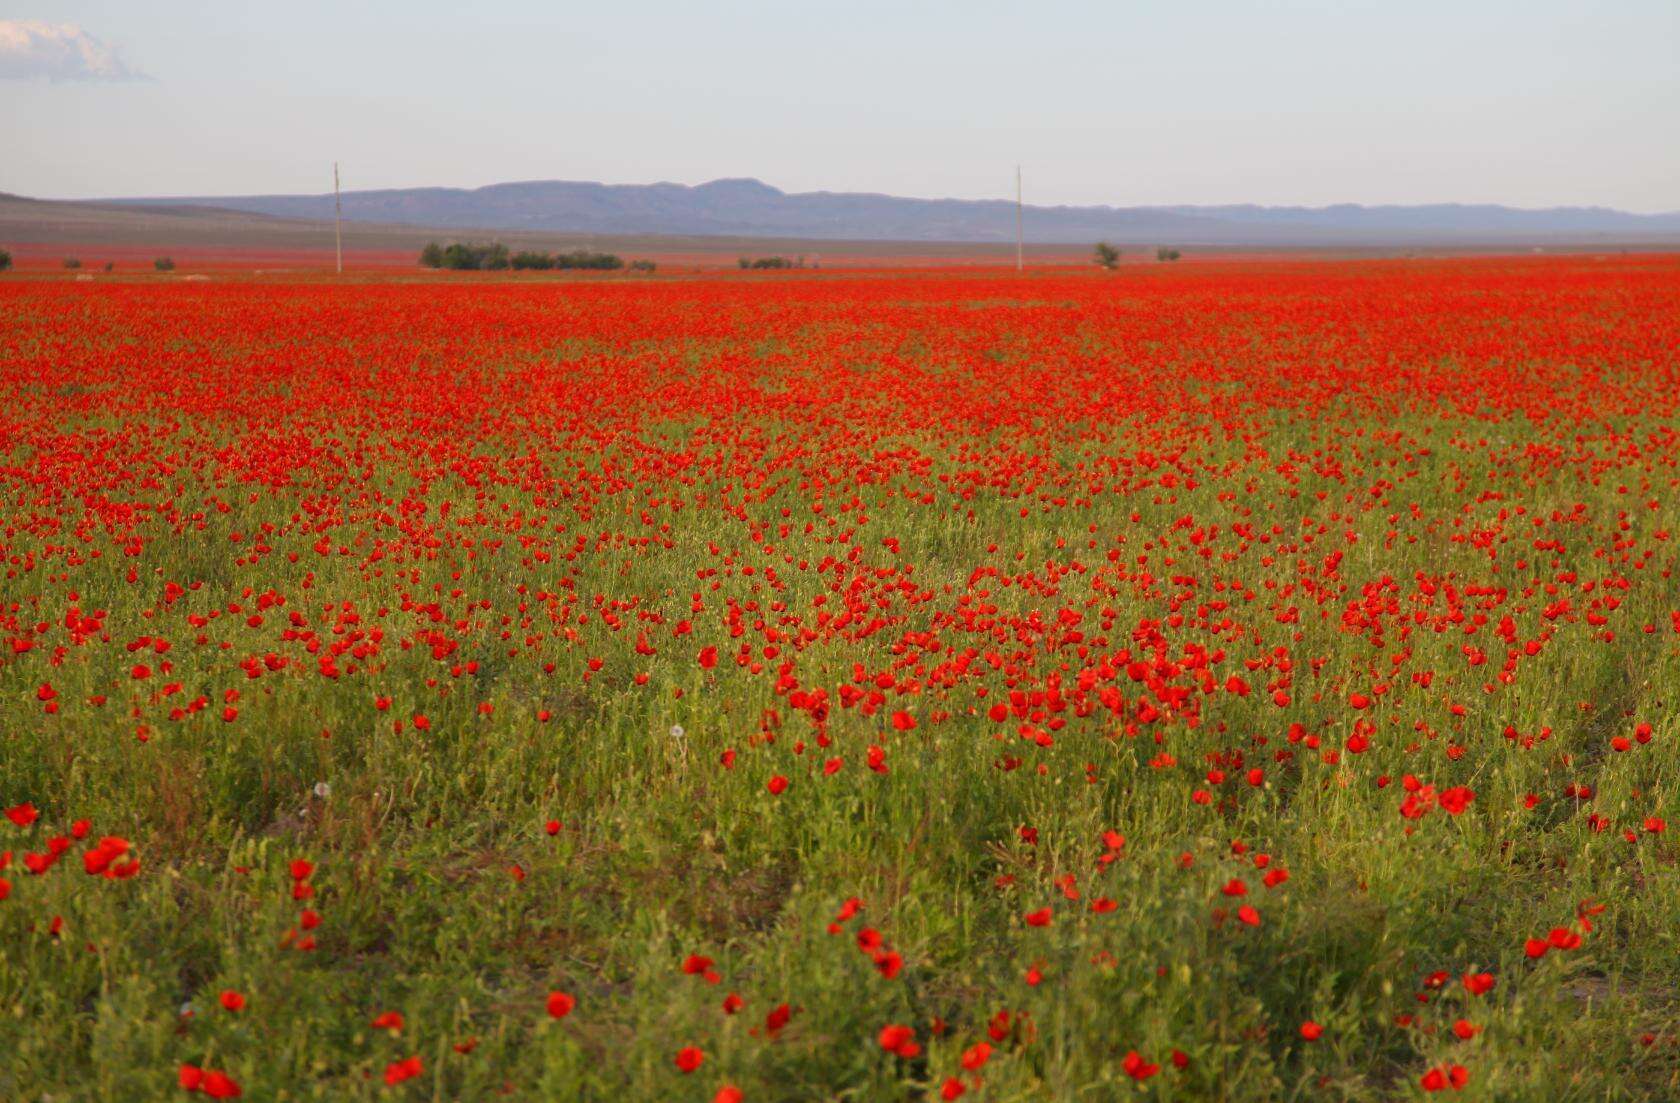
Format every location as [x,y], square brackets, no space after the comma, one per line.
[746,206]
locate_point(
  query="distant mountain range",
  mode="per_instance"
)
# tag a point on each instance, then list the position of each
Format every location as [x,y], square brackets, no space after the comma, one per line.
[745,207]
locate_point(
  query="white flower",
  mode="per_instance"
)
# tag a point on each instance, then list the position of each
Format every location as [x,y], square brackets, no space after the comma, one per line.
[323,790]
[676,731]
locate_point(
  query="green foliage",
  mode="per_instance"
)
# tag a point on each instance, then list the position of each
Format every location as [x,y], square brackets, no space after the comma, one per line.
[762,263]
[589,260]
[493,257]
[5,260]
[1106,255]
[1164,254]
[164,264]
[529,261]
[72,262]
[642,266]
[471,257]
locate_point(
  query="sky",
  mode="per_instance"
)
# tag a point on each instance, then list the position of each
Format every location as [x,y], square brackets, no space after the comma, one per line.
[1123,102]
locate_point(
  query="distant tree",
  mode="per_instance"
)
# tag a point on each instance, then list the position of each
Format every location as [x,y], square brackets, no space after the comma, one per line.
[109,265]
[771,262]
[164,264]
[5,260]
[470,257]
[1164,253]
[527,260]
[72,262]
[642,266]
[585,259]
[743,263]
[1106,255]
[494,257]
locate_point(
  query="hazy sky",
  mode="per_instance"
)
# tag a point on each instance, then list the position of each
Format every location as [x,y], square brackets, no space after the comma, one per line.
[1531,103]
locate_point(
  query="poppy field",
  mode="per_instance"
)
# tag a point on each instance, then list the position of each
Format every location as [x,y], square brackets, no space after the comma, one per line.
[1241,680]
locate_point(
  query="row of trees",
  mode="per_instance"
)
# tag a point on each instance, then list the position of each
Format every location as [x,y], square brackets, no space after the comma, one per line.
[162,264]
[1107,256]
[496,257]
[757,263]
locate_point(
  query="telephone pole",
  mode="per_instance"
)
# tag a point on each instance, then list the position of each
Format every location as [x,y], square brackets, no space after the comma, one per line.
[1018,239]
[338,232]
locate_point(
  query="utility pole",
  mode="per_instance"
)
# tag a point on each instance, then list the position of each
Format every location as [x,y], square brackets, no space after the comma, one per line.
[1018,261]
[338,232]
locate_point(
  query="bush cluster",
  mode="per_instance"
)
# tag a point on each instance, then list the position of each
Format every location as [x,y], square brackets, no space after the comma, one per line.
[495,257]
[577,258]
[466,256]
[770,262]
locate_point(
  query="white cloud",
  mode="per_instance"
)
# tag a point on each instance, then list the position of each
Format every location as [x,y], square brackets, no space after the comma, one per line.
[57,51]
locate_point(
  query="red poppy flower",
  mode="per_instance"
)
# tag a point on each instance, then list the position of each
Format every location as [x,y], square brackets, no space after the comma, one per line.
[1138,1068]
[398,1071]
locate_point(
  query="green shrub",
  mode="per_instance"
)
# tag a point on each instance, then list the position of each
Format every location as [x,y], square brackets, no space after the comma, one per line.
[642,266]
[1164,253]
[1106,255]
[164,264]
[471,257]
[529,261]
[72,262]
[5,260]
[584,258]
